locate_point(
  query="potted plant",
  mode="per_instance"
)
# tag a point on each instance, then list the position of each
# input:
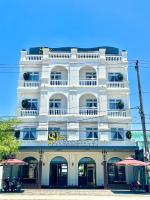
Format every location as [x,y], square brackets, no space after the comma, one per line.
[25,103]
[120,105]
[26,76]
[128,135]
[120,77]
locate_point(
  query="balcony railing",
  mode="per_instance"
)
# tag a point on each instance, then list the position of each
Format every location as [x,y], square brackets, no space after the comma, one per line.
[59,82]
[26,113]
[117,113]
[88,82]
[58,111]
[113,58]
[31,84]
[34,57]
[116,84]
[88,111]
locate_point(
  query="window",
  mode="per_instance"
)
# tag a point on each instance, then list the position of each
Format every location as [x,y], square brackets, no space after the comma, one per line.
[33,76]
[55,103]
[29,133]
[113,104]
[54,129]
[90,75]
[32,104]
[91,133]
[91,103]
[55,75]
[113,77]
[117,133]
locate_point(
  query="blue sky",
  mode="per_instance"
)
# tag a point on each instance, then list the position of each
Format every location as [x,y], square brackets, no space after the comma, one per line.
[82,23]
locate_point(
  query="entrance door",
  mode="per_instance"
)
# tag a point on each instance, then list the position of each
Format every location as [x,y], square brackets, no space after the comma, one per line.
[116,174]
[87,173]
[58,172]
[90,175]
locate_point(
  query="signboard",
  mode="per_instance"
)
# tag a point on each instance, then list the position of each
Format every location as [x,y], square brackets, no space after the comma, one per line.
[53,137]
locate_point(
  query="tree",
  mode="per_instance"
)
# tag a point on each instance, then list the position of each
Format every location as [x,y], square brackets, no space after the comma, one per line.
[8,143]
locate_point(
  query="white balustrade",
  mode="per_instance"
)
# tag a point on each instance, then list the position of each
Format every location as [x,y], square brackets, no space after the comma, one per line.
[58,82]
[112,58]
[116,84]
[87,55]
[117,113]
[31,83]
[88,82]
[59,55]
[88,111]
[58,111]
[34,57]
[26,113]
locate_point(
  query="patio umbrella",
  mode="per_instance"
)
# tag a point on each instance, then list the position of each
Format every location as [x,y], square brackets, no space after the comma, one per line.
[131,162]
[13,162]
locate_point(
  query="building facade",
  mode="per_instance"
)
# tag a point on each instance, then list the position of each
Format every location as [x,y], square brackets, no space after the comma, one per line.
[74,108]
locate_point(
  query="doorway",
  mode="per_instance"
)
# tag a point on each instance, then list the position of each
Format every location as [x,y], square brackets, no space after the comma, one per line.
[58,172]
[86,172]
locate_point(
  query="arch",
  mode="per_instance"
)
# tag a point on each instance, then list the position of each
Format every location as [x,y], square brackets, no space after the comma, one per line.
[88,104]
[58,104]
[116,174]
[114,160]
[87,160]
[29,173]
[59,66]
[88,76]
[86,172]
[59,75]
[59,159]
[87,66]
[58,172]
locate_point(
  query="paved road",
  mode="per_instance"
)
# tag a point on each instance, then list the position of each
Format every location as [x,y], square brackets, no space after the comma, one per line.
[73,195]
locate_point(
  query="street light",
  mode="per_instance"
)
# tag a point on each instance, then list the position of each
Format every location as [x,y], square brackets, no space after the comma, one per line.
[40,165]
[104,153]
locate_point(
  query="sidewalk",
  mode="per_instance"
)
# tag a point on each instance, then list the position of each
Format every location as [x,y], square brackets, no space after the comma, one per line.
[74,194]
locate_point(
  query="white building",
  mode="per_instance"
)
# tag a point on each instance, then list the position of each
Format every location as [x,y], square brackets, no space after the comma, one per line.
[80,96]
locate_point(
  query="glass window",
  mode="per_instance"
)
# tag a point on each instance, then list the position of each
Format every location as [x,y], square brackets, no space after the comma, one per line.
[117,133]
[55,103]
[33,104]
[55,75]
[113,104]
[90,75]
[113,77]
[91,103]
[91,133]
[29,133]
[33,76]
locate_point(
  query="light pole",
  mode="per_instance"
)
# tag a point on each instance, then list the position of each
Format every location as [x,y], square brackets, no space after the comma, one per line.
[104,153]
[40,166]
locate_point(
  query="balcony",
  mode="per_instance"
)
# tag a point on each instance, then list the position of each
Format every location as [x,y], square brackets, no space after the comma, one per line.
[59,82]
[118,114]
[58,111]
[27,113]
[88,111]
[112,58]
[88,82]
[31,83]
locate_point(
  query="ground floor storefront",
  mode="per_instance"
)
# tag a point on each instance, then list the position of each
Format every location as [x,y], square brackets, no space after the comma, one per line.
[73,168]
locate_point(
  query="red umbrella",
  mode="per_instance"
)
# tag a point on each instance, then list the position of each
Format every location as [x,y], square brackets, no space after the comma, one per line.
[13,161]
[131,162]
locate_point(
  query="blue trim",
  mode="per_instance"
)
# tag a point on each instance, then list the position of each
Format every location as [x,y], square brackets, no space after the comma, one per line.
[78,148]
[109,50]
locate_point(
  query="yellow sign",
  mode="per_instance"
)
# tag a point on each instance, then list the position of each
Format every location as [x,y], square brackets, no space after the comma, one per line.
[54,137]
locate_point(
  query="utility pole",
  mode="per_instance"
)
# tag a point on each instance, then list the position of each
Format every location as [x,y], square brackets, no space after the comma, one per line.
[142,115]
